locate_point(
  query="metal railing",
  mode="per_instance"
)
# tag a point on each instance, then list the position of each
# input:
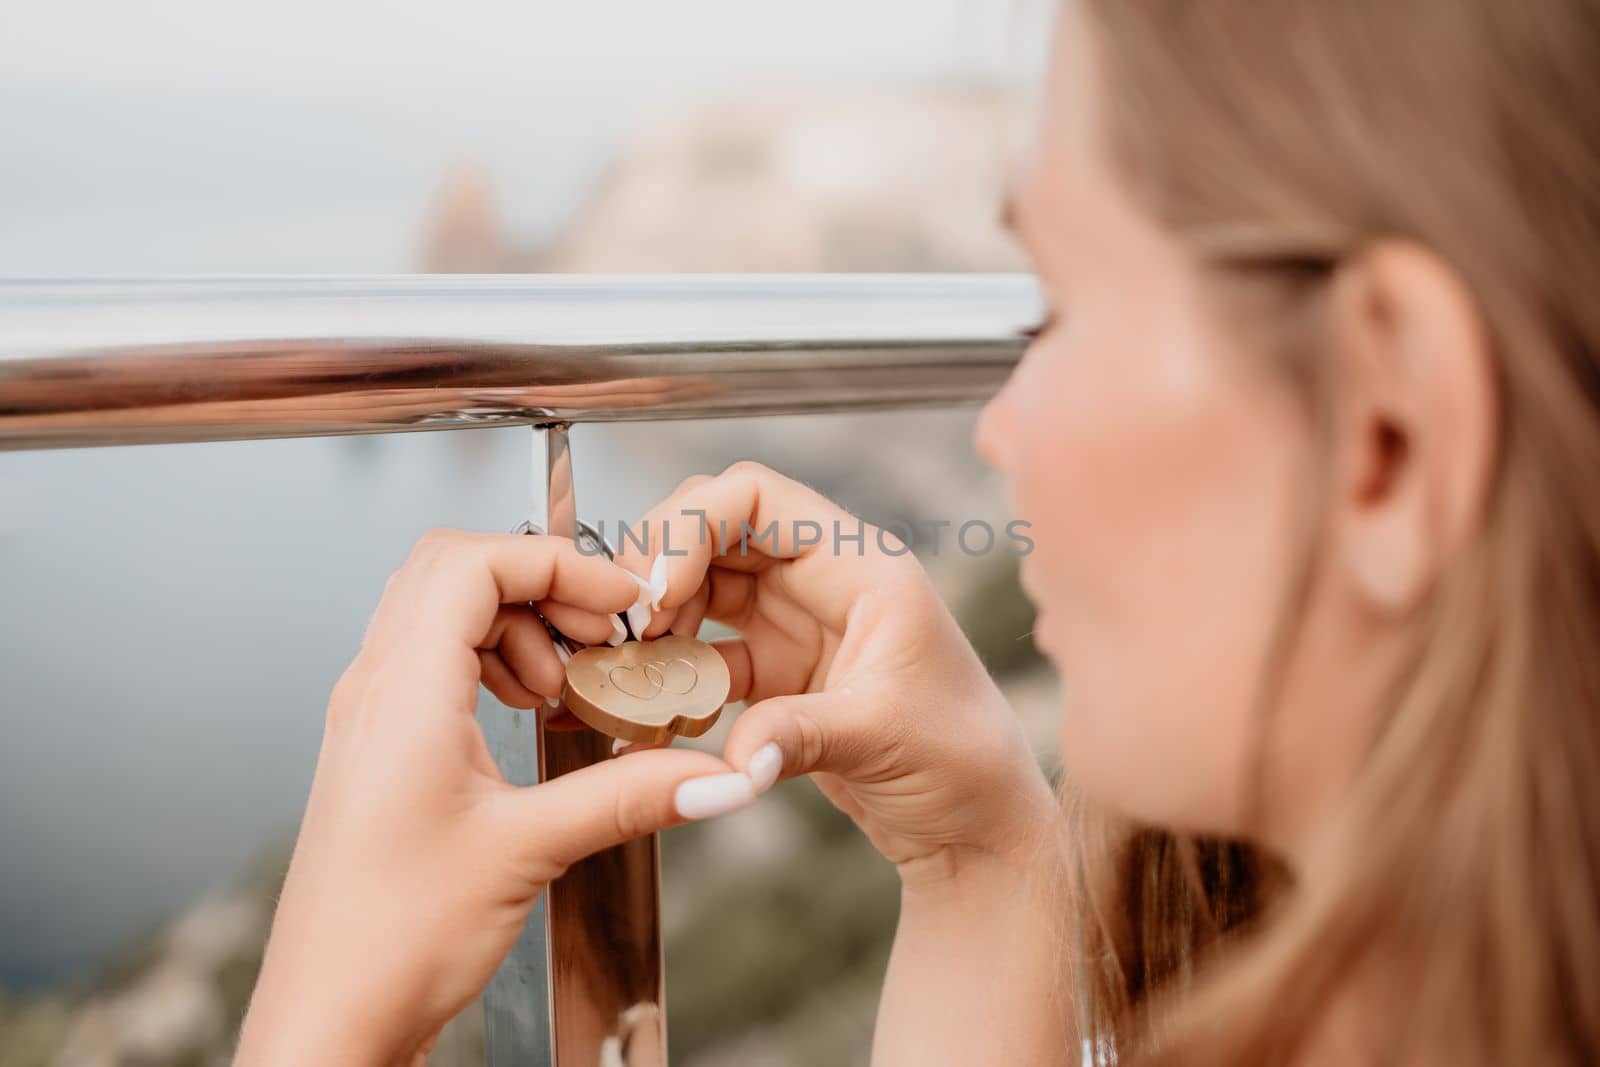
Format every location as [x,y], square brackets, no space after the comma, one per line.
[86,363]
[138,362]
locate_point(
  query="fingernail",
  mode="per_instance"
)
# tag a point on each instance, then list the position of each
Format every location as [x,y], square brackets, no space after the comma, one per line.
[658,580]
[619,633]
[551,703]
[562,654]
[765,766]
[639,616]
[618,744]
[718,794]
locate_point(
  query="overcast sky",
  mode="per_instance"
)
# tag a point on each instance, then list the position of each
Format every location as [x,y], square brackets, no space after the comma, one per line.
[524,43]
[182,136]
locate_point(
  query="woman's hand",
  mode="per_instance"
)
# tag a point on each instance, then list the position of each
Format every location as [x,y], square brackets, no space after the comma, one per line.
[417,864]
[853,668]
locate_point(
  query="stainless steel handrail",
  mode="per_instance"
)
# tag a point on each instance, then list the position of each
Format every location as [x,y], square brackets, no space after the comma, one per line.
[141,362]
[101,362]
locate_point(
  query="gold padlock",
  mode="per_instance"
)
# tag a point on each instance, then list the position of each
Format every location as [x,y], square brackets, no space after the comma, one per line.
[648,691]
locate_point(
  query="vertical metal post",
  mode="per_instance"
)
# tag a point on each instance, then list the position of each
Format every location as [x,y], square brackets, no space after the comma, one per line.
[584,985]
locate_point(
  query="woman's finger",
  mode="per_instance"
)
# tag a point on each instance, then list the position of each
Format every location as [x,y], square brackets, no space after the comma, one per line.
[730,597]
[749,517]
[607,803]
[456,582]
[754,676]
[838,793]
[620,747]
[637,550]
[502,682]
[524,644]
[671,529]
[664,621]
[589,627]
[686,618]
[735,652]
[393,611]
[813,732]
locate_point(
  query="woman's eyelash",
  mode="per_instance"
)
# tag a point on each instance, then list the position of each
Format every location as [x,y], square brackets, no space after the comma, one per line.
[1041,328]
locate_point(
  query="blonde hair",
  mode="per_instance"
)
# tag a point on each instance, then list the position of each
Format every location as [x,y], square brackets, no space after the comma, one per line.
[1276,139]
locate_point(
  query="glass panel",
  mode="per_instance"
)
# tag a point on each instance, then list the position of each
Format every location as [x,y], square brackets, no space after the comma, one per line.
[171,618]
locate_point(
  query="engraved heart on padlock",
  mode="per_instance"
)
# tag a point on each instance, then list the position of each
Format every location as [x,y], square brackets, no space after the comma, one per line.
[647,691]
[650,679]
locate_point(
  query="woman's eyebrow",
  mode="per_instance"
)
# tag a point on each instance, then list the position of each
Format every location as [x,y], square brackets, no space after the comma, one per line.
[1010,217]
[1011,221]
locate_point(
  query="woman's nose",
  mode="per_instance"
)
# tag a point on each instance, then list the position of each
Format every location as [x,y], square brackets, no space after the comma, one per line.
[993,435]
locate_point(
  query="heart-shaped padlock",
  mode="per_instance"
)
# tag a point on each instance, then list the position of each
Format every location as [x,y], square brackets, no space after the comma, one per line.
[648,691]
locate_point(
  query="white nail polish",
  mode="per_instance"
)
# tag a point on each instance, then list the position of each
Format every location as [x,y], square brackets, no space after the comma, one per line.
[718,794]
[639,617]
[658,580]
[765,766]
[617,745]
[619,632]
[562,654]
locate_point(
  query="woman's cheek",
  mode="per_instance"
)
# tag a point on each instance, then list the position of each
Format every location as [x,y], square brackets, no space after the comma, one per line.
[1106,436]
[1041,489]
[1068,479]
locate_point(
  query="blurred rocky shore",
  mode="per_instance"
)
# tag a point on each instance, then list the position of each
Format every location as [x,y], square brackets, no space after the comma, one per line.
[779,918]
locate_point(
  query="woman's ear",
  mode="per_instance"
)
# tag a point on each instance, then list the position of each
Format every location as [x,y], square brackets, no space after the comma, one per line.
[1415,421]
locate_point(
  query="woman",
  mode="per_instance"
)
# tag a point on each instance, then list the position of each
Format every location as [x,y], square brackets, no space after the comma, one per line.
[1306,446]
